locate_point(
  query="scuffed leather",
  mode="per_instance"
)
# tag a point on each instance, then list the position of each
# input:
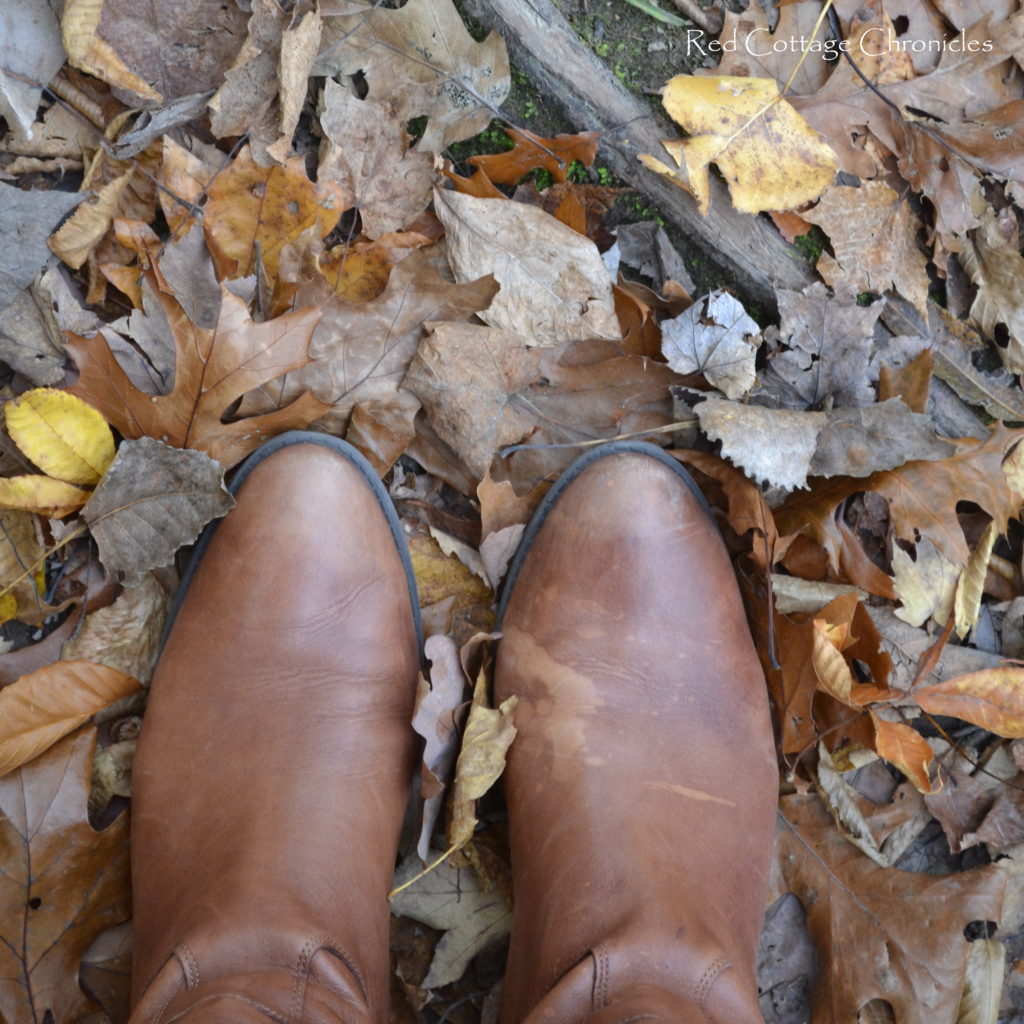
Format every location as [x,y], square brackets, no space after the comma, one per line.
[642,783]
[275,761]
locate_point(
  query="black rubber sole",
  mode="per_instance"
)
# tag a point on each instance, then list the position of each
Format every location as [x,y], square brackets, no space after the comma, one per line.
[351,455]
[558,489]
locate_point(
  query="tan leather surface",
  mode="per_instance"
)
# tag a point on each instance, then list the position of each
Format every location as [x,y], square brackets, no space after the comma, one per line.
[275,758]
[642,782]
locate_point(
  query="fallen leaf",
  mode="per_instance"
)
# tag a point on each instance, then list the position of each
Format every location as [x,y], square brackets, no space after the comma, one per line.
[41,494]
[31,53]
[874,235]
[770,156]
[488,734]
[454,900]
[421,60]
[28,218]
[437,719]
[983,983]
[825,351]
[365,153]
[646,246]
[925,585]
[530,151]
[152,500]
[20,550]
[252,212]
[126,634]
[53,904]
[299,45]
[714,337]
[63,436]
[967,603]
[213,368]
[382,430]
[554,284]
[903,746]
[40,708]
[992,698]
[881,933]
[106,971]
[75,241]
[465,375]
[187,268]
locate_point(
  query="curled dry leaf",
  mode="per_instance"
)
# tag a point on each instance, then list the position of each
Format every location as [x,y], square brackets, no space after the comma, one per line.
[903,746]
[38,709]
[52,904]
[770,156]
[61,434]
[488,734]
[967,603]
[153,500]
[983,983]
[76,240]
[992,698]
[554,284]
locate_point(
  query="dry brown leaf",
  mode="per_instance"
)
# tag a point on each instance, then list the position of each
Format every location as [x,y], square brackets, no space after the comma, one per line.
[983,984]
[420,60]
[52,904]
[992,698]
[20,550]
[38,709]
[152,500]
[904,747]
[967,603]
[554,284]
[253,212]
[874,235]
[365,153]
[213,368]
[465,376]
[880,933]
[530,151]
[925,584]
[383,429]
[76,239]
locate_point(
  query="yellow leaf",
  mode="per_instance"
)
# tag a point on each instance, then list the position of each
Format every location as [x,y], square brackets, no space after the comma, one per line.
[771,157]
[972,582]
[38,709]
[488,734]
[834,675]
[74,240]
[19,550]
[66,438]
[41,494]
[992,698]
[87,52]
[903,746]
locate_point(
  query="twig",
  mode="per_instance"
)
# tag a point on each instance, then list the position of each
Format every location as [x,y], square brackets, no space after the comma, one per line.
[711,24]
[426,871]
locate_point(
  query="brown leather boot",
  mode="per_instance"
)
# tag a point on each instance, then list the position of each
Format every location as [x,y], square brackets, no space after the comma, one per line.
[276,755]
[642,783]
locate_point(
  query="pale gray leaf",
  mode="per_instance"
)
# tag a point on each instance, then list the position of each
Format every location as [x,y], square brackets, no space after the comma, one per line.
[152,500]
[645,245]
[714,337]
[27,219]
[188,268]
[31,53]
[451,899]
[151,124]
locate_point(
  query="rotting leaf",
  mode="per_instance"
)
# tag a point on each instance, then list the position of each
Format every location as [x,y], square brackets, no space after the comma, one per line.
[62,882]
[153,500]
[38,709]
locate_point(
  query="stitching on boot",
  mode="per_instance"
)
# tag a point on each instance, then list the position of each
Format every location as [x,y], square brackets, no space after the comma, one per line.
[602,970]
[161,1007]
[301,970]
[707,979]
[265,1010]
[189,965]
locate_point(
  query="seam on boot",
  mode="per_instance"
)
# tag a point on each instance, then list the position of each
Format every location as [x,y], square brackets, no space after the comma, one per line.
[161,1007]
[602,972]
[314,945]
[265,1010]
[707,979]
[189,965]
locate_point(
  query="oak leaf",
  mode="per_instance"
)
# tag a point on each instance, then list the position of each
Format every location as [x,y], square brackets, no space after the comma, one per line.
[770,156]
[881,933]
[213,368]
[62,883]
[38,709]
[530,151]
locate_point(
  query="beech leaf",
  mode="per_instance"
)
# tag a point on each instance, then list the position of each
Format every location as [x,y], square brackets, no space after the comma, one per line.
[62,882]
[38,709]
[41,494]
[153,500]
[992,698]
[61,434]
[903,746]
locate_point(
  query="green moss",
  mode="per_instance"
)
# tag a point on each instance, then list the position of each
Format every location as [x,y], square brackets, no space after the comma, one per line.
[811,244]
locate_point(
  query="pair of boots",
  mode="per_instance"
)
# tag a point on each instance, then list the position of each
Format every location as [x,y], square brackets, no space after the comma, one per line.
[276,756]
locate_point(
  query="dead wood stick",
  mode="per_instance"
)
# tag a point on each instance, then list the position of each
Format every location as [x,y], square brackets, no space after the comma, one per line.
[747,250]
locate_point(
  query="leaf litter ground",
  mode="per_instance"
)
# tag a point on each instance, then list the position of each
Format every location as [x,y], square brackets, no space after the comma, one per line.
[281,252]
